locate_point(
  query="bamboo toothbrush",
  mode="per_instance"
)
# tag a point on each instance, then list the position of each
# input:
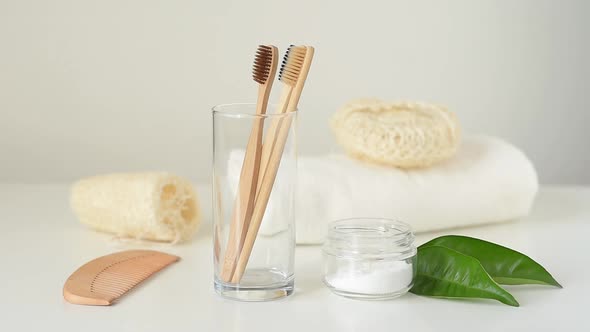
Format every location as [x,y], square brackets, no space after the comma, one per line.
[263,73]
[293,68]
[290,70]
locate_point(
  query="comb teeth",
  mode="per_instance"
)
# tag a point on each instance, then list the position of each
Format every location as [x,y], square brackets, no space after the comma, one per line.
[262,64]
[107,278]
[119,278]
[292,63]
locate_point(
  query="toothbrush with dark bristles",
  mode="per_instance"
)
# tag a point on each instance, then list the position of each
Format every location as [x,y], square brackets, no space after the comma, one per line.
[263,73]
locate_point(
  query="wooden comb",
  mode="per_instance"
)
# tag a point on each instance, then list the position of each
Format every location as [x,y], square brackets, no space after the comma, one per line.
[107,278]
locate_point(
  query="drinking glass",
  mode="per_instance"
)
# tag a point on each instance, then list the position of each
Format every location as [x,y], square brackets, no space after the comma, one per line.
[253,207]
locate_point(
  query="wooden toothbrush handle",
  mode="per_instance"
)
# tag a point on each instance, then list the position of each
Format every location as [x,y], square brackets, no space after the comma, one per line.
[272,134]
[263,195]
[246,195]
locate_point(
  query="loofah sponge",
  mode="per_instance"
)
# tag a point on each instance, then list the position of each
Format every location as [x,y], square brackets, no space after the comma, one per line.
[405,135]
[153,206]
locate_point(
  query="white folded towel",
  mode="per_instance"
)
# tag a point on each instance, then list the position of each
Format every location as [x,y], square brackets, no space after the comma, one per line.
[487,181]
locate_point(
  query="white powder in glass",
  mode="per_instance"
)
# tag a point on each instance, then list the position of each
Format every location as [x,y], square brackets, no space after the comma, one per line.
[382,277]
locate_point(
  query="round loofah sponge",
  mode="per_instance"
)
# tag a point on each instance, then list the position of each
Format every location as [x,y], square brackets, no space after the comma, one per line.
[152,205]
[405,135]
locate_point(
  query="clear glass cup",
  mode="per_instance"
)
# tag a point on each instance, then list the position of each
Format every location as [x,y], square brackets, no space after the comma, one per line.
[369,258]
[246,214]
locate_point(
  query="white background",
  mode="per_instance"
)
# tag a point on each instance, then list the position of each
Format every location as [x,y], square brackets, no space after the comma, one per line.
[89,87]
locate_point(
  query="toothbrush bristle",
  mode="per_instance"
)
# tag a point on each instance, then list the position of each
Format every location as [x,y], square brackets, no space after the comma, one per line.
[262,64]
[292,63]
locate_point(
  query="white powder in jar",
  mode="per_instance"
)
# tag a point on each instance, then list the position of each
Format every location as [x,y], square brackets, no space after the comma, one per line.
[381,277]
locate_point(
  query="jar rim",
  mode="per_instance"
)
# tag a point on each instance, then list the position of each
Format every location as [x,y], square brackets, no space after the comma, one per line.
[377,237]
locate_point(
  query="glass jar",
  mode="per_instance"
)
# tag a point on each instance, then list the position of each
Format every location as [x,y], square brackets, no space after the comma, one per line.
[369,258]
[253,206]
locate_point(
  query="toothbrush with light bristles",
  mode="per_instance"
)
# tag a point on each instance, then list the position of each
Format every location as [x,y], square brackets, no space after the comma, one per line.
[293,73]
[263,73]
[288,74]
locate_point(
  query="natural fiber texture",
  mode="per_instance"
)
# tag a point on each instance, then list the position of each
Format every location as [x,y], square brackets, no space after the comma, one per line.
[151,206]
[405,135]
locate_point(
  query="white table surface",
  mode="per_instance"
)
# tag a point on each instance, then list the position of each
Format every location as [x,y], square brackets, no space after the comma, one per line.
[42,243]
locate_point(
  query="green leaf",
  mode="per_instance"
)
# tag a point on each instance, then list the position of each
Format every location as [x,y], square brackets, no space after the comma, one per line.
[444,272]
[506,266]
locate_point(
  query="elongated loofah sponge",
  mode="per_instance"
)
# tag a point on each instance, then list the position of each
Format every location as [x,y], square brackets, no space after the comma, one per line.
[404,135]
[153,206]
